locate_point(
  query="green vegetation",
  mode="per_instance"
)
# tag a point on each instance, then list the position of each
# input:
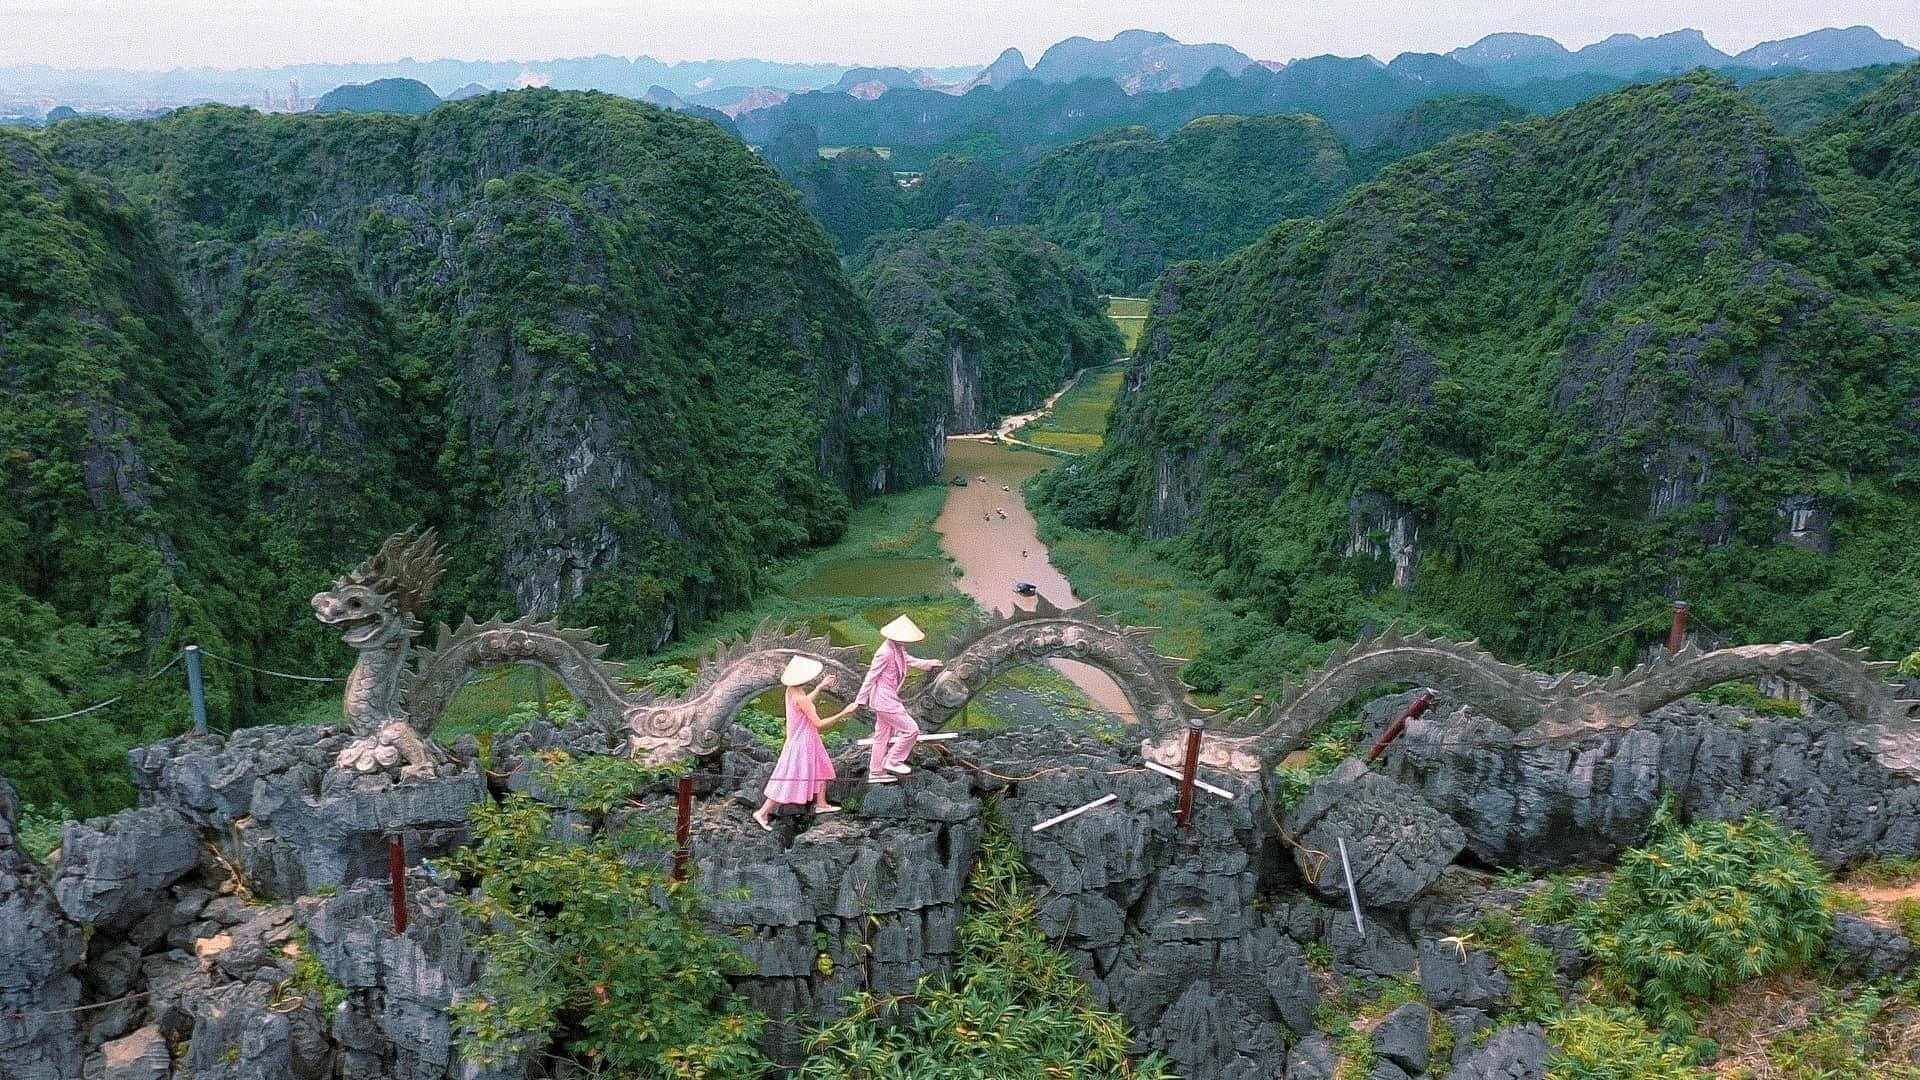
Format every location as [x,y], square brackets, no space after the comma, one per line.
[1799,102]
[1701,908]
[1531,997]
[1078,420]
[1597,1043]
[1431,123]
[1745,695]
[1332,743]
[1130,204]
[1348,1014]
[1012,1006]
[1582,361]
[311,980]
[379,96]
[988,320]
[1848,1034]
[590,948]
[1129,313]
[598,345]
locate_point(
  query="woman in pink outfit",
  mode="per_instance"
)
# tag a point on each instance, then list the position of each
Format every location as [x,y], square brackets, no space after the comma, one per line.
[804,769]
[894,732]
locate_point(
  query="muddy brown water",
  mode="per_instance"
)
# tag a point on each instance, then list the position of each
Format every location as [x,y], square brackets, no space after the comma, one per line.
[988,548]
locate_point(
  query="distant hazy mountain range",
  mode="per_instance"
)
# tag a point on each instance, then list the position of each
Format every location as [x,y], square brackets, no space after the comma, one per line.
[1138,61]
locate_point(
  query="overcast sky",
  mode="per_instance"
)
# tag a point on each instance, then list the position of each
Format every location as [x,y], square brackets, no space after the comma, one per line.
[228,33]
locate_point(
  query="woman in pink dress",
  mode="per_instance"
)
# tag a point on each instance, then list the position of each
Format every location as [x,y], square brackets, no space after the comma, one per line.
[804,769]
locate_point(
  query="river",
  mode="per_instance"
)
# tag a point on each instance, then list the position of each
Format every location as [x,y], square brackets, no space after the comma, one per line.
[994,552]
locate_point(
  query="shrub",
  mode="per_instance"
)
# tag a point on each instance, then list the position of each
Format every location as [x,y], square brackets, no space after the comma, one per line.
[1745,695]
[1012,1007]
[38,831]
[1593,1043]
[1703,907]
[590,945]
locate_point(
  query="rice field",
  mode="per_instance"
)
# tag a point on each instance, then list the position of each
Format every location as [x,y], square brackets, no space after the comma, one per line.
[1129,313]
[1078,421]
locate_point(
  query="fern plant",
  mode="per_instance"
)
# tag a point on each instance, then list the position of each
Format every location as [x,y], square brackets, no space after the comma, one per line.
[1703,907]
[589,946]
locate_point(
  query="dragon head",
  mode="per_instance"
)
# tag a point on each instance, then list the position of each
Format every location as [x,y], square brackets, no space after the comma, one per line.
[381,598]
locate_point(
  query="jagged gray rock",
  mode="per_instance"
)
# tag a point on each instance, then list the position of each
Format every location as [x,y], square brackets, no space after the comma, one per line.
[1511,1053]
[1868,949]
[293,824]
[1583,801]
[39,949]
[1312,1058]
[1397,844]
[113,869]
[1403,1036]
[1453,977]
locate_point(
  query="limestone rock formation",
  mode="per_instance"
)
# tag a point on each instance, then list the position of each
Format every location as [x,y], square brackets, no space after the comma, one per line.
[1396,844]
[39,949]
[113,870]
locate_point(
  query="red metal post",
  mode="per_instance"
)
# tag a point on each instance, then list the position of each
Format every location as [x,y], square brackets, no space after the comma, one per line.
[1185,811]
[1420,704]
[1677,636]
[397,873]
[683,830]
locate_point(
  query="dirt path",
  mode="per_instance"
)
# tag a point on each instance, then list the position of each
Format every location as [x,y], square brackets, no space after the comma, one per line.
[989,549]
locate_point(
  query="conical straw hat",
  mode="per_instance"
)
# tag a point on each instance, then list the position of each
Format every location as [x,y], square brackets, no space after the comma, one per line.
[902,629]
[800,671]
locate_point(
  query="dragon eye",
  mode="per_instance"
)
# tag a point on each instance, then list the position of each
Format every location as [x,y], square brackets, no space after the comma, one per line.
[355,602]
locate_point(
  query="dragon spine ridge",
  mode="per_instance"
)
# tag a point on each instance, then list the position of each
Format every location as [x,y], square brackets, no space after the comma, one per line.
[375,607]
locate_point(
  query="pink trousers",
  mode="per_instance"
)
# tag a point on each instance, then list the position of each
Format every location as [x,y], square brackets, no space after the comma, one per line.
[894,734]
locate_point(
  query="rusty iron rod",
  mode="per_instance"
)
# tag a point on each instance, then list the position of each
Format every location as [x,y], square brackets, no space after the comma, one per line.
[1677,636]
[1420,704]
[397,874]
[683,829]
[1185,811]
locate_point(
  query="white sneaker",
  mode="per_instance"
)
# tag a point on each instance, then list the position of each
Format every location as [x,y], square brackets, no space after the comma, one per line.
[881,780]
[899,770]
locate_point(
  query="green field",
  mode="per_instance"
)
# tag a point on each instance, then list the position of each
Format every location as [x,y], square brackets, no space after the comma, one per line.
[1129,313]
[1078,421]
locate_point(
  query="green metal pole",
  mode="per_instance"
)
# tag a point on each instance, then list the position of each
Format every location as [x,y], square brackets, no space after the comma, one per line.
[196,690]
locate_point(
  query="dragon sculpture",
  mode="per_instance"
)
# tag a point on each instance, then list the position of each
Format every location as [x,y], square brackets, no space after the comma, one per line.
[393,705]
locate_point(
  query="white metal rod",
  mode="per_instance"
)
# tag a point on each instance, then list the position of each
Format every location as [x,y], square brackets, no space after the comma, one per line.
[1076,812]
[1351,893]
[932,736]
[1197,782]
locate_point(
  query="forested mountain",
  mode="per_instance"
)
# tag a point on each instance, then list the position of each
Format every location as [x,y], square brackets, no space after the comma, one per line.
[989,320]
[113,519]
[1129,203]
[382,95]
[600,346]
[1798,102]
[1528,383]
[1138,60]
[1126,202]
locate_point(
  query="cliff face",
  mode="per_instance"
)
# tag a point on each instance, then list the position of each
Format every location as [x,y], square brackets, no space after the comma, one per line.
[1586,359]
[993,319]
[598,344]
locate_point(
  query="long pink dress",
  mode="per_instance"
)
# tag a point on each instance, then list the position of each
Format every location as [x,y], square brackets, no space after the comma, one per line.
[804,767]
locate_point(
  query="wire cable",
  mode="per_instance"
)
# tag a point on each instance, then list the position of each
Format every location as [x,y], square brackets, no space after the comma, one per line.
[96,708]
[269,671]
